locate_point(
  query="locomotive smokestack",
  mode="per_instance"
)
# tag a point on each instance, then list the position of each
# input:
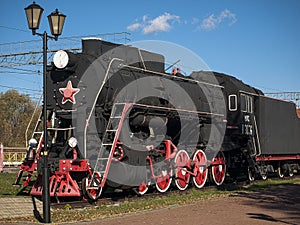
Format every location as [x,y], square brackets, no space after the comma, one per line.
[96,47]
[131,55]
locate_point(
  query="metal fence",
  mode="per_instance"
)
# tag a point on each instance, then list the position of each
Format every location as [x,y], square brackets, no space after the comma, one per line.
[12,156]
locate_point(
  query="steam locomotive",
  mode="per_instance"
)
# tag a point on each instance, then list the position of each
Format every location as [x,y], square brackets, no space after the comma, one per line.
[118,120]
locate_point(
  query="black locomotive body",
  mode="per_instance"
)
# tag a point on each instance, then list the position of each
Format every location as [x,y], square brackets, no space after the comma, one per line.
[117,119]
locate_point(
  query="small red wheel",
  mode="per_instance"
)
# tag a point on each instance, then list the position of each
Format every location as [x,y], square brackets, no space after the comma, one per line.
[119,153]
[164,181]
[91,186]
[218,168]
[200,161]
[143,188]
[182,177]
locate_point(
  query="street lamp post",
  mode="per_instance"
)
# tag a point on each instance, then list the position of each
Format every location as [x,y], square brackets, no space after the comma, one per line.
[56,22]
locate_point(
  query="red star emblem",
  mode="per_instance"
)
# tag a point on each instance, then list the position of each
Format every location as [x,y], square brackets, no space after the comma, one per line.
[69,93]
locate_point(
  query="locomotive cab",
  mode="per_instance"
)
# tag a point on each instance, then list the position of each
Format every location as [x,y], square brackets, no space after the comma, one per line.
[240,143]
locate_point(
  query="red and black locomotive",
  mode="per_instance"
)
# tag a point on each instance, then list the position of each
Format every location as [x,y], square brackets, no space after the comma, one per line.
[117,119]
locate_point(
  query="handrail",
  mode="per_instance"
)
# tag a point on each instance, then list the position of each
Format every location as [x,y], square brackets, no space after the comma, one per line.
[33,114]
[94,104]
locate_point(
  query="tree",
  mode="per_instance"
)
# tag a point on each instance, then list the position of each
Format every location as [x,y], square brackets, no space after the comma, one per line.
[15,113]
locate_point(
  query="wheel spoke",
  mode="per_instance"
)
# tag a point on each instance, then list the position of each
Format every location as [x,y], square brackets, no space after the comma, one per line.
[91,187]
[163,182]
[182,177]
[143,188]
[199,159]
[218,169]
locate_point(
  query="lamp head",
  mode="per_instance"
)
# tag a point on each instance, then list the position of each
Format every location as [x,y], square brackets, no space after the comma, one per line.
[33,15]
[56,21]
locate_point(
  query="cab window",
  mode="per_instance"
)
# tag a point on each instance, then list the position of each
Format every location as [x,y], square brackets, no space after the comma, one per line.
[246,103]
[232,102]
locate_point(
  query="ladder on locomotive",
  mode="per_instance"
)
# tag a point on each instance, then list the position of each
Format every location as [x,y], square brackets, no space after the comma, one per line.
[109,141]
[28,166]
[38,133]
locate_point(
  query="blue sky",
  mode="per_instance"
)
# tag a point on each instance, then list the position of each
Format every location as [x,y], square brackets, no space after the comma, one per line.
[258,41]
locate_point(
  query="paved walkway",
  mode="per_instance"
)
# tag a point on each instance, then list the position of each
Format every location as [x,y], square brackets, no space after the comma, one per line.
[18,206]
[278,205]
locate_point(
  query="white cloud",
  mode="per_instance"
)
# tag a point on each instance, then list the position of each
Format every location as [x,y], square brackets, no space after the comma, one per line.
[211,22]
[162,23]
[134,27]
[226,14]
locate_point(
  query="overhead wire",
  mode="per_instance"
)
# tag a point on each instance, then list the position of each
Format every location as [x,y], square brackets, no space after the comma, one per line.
[20,88]
[26,70]
[14,28]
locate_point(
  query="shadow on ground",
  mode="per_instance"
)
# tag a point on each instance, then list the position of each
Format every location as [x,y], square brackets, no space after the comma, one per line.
[283,198]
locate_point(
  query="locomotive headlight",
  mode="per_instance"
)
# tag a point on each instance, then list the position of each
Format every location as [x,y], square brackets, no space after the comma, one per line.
[33,142]
[61,59]
[72,142]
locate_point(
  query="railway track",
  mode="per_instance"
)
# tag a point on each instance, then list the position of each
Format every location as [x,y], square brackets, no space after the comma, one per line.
[118,197]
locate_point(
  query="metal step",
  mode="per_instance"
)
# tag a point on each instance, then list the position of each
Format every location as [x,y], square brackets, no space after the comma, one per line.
[116,117]
[60,129]
[92,188]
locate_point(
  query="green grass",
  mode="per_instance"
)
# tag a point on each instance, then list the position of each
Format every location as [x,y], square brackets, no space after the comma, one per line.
[270,183]
[6,186]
